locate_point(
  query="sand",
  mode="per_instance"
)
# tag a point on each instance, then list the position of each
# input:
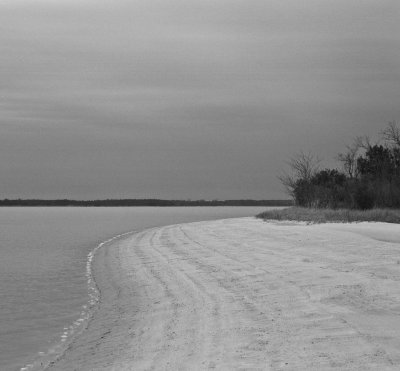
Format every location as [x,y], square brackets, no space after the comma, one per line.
[246,294]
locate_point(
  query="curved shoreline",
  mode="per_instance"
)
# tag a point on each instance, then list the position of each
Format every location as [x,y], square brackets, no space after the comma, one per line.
[104,265]
[56,351]
[242,293]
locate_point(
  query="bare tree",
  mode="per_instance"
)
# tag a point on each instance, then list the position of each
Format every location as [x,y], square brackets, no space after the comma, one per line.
[349,158]
[391,134]
[364,142]
[303,166]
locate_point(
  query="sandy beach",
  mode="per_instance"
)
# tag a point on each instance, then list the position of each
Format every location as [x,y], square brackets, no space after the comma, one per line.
[245,294]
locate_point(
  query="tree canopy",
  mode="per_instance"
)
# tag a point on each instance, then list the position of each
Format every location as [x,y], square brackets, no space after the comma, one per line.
[369,177]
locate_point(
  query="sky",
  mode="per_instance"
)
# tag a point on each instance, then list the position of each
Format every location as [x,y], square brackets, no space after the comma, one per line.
[187,98]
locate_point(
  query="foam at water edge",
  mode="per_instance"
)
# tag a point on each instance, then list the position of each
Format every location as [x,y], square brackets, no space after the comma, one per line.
[43,359]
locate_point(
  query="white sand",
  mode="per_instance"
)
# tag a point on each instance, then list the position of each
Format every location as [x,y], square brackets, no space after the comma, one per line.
[246,294]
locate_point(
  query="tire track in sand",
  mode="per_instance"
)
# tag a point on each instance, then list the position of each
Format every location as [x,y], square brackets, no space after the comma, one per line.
[243,294]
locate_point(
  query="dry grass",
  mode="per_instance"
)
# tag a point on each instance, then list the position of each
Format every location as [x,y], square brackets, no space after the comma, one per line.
[332,216]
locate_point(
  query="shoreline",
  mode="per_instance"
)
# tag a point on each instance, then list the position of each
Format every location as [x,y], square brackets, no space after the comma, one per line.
[45,360]
[242,293]
[103,257]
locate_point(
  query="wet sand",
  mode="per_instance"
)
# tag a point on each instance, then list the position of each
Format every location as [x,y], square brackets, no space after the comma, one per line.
[246,294]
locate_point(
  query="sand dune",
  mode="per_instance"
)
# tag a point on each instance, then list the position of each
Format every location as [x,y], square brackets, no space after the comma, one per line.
[246,294]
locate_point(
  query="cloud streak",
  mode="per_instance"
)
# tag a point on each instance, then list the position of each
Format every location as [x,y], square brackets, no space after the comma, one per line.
[186,98]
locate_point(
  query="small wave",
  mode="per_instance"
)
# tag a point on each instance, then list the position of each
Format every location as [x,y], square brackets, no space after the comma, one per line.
[43,359]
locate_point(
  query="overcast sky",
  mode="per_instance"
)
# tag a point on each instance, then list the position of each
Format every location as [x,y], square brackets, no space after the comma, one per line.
[187,98]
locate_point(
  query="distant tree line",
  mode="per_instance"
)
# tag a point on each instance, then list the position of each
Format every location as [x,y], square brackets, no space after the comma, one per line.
[142,202]
[369,176]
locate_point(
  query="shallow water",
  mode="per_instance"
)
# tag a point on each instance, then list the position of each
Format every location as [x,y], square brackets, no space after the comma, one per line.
[43,268]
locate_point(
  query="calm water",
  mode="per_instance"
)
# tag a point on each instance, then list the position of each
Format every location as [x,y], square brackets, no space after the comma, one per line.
[43,268]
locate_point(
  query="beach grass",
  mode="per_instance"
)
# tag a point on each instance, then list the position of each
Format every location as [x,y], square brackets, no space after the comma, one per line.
[332,216]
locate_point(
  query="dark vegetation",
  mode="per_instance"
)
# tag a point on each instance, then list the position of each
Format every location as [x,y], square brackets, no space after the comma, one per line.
[143,202]
[369,176]
[321,215]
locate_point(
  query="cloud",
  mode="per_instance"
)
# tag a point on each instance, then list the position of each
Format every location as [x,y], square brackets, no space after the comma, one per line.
[127,88]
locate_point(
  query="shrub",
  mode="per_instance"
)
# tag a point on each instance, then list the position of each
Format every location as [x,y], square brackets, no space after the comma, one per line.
[364,199]
[371,178]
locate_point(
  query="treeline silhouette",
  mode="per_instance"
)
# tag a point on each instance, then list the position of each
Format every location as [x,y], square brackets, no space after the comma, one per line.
[142,202]
[370,176]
